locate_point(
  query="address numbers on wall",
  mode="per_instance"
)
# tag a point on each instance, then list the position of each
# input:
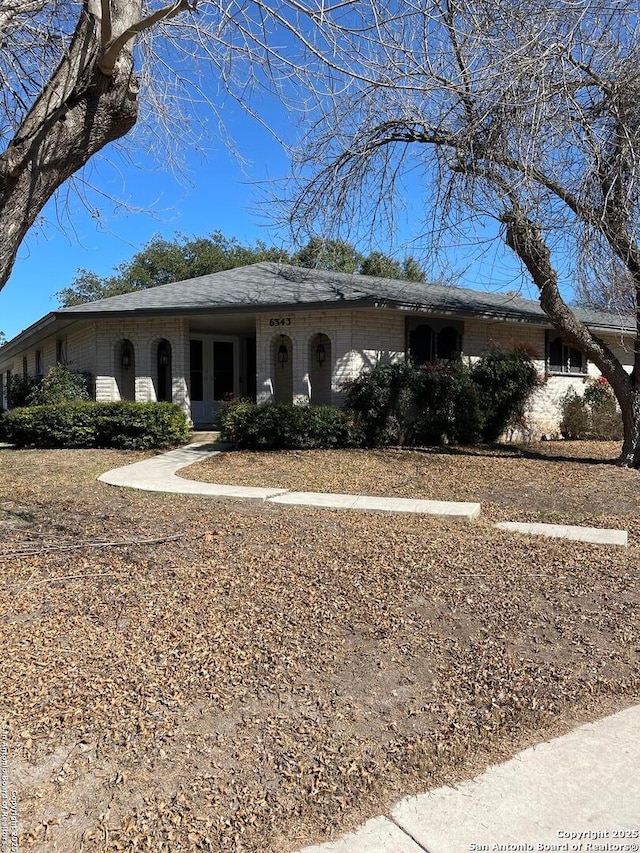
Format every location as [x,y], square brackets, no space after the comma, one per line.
[280,321]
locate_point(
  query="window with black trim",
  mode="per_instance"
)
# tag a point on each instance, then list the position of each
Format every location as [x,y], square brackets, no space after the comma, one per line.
[61,351]
[562,358]
[433,341]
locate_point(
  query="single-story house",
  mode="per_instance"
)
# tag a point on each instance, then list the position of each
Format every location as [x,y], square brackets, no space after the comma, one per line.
[273,332]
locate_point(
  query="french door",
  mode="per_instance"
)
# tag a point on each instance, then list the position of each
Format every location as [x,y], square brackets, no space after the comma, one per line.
[214,375]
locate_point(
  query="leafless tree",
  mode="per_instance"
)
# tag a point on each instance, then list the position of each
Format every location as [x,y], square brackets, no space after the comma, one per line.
[611,290]
[523,111]
[76,75]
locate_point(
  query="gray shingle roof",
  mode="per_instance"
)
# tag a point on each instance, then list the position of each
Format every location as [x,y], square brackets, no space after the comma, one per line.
[268,284]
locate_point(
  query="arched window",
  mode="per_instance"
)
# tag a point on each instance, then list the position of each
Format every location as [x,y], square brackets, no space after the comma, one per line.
[320,369]
[282,369]
[437,340]
[448,344]
[125,369]
[163,371]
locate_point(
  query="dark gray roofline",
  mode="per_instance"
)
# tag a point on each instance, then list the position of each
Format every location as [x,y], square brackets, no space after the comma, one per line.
[506,316]
[351,304]
[40,329]
[360,293]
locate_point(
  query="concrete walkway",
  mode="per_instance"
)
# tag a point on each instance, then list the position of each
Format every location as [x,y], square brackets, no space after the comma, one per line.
[595,535]
[158,474]
[578,792]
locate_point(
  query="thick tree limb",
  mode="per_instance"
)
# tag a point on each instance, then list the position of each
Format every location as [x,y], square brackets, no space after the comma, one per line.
[113,49]
[78,112]
[525,239]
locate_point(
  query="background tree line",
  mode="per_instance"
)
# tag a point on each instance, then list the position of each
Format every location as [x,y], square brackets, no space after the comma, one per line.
[163,261]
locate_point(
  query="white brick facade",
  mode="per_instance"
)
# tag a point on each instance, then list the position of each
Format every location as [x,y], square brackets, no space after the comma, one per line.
[351,334]
[356,340]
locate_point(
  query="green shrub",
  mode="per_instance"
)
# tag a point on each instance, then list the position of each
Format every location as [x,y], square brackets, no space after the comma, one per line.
[594,416]
[607,422]
[21,389]
[124,425]
[68,425]
[279,427]
[432,404]
[140,426]
[505,379]
[60,385]
[382,404]
[447,405]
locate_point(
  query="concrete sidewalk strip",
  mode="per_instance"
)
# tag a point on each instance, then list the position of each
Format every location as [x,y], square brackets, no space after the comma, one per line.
[158,474]
[595,535]
[577,792]
[378,835]
[374,503]
[163,479]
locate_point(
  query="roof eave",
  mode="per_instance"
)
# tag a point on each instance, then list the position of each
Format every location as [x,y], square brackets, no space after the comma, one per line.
[39,329]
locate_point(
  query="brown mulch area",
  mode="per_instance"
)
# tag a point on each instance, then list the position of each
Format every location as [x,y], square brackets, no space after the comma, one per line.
[194,674]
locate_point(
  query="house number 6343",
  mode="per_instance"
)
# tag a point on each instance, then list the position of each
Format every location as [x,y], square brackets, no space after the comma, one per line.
[280,321]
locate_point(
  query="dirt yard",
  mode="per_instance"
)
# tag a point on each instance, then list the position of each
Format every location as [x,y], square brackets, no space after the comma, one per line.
[192,674]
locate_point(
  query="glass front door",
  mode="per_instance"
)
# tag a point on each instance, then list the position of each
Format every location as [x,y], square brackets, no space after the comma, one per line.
[213,375]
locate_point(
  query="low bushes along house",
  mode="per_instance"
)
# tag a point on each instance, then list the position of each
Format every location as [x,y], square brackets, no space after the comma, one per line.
[276,333]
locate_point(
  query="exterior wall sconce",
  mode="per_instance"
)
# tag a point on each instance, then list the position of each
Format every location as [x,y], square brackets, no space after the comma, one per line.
[126,358]
[283,354]
[321,354]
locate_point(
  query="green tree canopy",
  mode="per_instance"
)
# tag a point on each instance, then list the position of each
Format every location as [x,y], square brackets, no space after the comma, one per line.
[382,266]
[334,255]
[163,261]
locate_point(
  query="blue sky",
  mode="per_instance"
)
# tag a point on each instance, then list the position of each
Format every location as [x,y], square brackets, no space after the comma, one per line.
[215,192]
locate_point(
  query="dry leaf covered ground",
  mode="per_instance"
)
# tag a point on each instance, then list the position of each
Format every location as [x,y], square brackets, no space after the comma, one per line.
[252,677]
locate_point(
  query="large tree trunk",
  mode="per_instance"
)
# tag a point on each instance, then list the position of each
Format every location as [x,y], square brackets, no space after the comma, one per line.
[80,110]
[630,408]
[525,239]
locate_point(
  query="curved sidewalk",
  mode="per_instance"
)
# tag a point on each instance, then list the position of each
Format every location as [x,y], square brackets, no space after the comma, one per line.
[158,474]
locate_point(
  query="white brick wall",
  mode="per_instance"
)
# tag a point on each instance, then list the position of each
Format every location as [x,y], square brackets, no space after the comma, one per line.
[351,334]
[144,335]
[359,340]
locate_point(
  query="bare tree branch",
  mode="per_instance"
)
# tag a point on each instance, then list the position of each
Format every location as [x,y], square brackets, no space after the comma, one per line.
[114,48]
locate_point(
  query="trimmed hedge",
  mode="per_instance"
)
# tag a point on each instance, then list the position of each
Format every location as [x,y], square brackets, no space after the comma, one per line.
[123,425]
[275,426]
